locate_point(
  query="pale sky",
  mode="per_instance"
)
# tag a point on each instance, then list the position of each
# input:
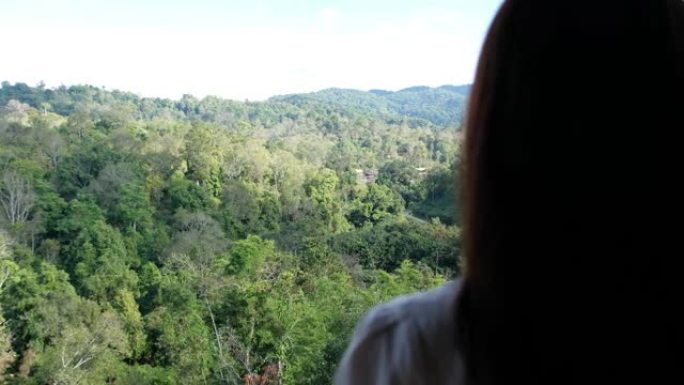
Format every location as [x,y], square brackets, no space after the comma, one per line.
[242,49]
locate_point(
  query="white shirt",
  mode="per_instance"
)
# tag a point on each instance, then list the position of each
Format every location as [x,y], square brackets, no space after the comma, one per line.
[409,340]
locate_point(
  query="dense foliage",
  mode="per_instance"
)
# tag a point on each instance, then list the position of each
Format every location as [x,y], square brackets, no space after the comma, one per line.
[155,241]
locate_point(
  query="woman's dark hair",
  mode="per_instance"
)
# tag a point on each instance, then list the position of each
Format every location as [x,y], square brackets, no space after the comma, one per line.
[572,206]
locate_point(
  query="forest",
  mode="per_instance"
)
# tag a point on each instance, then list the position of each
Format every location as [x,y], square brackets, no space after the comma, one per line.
[210,241]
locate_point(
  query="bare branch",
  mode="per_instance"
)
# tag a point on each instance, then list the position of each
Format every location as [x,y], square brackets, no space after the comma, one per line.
[16,197]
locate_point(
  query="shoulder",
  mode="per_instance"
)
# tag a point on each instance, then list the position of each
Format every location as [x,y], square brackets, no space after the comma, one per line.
[410,336]
[421,309]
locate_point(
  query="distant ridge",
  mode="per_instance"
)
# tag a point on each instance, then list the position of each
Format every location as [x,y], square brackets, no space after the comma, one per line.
[442,105]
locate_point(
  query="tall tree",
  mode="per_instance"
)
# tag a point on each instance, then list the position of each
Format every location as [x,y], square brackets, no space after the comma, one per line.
[7,267]
[16,197]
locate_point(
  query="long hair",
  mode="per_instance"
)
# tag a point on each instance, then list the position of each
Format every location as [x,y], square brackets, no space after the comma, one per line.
[571,200]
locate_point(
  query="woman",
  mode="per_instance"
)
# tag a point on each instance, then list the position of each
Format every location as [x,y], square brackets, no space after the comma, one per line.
[571,198]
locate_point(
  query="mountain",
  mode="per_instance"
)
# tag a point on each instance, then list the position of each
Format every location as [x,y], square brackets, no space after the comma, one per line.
[442,106]
[418,106]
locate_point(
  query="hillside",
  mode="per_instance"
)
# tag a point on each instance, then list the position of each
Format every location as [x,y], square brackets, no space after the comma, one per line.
[422,106]
[207,241]
[441,106]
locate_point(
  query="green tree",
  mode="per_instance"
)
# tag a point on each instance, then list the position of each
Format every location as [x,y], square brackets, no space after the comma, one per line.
[321,189]
[125,304]
[247,255]
[62,337]
[441,191]
[79,168]
[7,268]
[184,194]
[179,338]
[100,262]
[203,157]
[402,177]
[373,204]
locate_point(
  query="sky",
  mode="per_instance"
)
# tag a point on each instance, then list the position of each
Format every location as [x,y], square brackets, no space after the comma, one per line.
[242,49]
